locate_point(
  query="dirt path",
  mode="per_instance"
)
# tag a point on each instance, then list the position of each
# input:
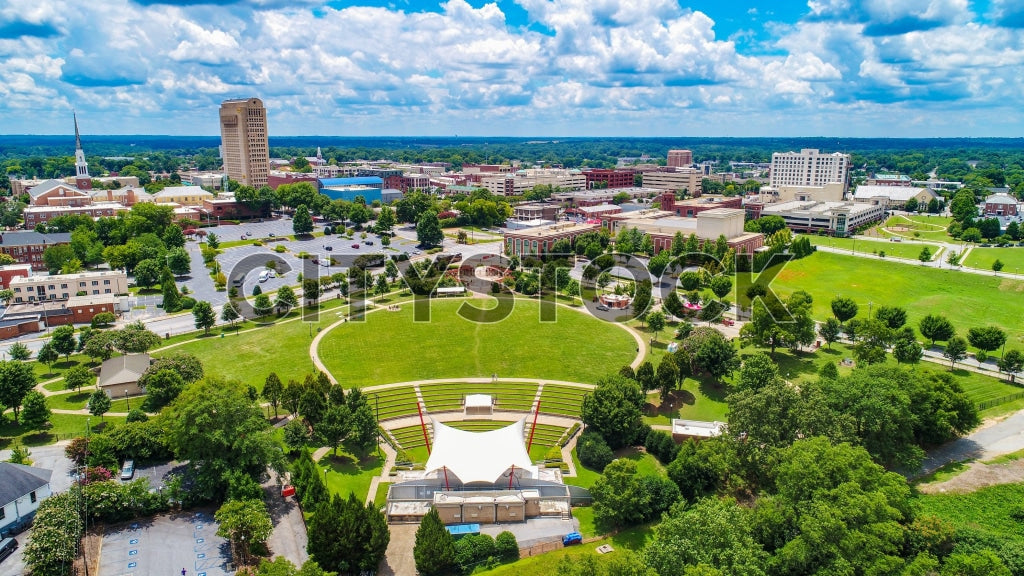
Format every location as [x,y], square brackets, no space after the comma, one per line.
[978,475]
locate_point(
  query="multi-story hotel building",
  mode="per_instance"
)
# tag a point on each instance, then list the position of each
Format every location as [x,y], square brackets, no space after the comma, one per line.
[809,167]
[680,158]
[243,137]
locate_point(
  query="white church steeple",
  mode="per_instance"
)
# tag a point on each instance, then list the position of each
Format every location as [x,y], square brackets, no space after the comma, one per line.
[82,179]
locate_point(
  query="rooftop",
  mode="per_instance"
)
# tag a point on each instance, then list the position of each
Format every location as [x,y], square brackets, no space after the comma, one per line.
[123,369]
[17,480]
[33,238]
[554,229]
[894,193]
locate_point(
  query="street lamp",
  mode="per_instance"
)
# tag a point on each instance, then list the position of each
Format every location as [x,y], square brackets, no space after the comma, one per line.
[127,403]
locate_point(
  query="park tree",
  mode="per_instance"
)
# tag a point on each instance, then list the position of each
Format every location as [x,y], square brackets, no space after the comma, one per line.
[936,327]
[311,290]
[147,272]
[204,316]
[47,355]
[135,338]
[302,222]
[758,371]
[645,376]
[428,229]
[721,286]
[774,323]
[215,427]
[100,320]
[212,240]
[386,220]
[435,548]
[829,330]
[273,389]
[622,500]
[983,562]
[63,341]
[656,321]
[262,305]
[986,339]
[16,380]
[19,351]
[875,338]
[713,535]
[380,286]
[893,316]
[57,256]
[997,265]
[925,255]
[77,377]
[100,346]
[99,403]
[286,298]
[178,260]
[667,376]
[56,532]
[335,426]
[906,349]
[614,409]
[35,413]
[244,523]
[956,350]
[229,313]
[172,297]
[1012,362]
[161,386]
[843,308]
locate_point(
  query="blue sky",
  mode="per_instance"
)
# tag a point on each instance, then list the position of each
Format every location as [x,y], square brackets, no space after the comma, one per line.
[890,68]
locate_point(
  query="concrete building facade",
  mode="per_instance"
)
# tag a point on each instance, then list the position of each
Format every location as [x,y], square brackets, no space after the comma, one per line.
[832,218]
[688,179]
[809,167]
[66,286]
[243,133]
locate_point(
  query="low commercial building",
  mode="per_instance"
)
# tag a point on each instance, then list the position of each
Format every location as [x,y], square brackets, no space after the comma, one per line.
[889,180]
[707,226]
[675,179]
[893,197]
[35,316]
[66,286]
[27,247]
[691,207]
[182,196]
[831,192]
[1000,205]
[22,489]
[832,218]
[535,211]
[595,212]
[540,240]
[595,197]
[683,430]
[35,215]
[119,377]
[228,208]
[208,180]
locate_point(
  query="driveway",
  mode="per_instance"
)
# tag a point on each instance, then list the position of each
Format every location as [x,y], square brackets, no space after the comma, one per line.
[165,545]
[289,536]
[1000,438]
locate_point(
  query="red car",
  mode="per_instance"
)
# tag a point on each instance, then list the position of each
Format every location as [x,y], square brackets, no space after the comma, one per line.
[356,246]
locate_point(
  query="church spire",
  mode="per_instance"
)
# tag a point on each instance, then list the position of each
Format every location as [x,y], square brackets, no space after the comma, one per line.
[82,179]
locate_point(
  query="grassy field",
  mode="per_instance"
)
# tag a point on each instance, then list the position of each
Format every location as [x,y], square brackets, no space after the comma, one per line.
[920,227]
[908,250]
[988,512]
[71,400]
[63,427]
[968,300]
[347,474]
[982,258]
[391,347]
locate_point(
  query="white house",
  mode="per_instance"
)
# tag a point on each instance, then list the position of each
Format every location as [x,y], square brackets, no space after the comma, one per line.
[22,488]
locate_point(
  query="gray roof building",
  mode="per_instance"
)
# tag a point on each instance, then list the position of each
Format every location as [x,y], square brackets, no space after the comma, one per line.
[16,480]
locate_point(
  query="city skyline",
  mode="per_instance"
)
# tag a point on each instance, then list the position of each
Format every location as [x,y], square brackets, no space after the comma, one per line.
[845,68]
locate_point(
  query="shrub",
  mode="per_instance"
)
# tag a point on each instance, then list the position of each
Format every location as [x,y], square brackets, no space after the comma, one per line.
[280,249]
[506,547]
[553,454]
[257,243]
[593,451]
[187,303]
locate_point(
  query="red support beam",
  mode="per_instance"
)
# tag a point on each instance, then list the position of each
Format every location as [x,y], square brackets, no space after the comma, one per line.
[533,428]
[511,475]
[445,468]
[423,426]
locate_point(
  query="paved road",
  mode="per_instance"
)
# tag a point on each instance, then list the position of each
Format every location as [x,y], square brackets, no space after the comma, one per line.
[1000,438]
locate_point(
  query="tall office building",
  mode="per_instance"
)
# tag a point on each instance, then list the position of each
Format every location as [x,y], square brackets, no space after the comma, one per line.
[809,167]
[680,158]
[243,138]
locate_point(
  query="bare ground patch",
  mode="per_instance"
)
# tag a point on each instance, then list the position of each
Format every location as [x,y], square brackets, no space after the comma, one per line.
[978,475]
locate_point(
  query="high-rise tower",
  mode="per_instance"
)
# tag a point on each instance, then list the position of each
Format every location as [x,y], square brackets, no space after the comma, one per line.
[82,179]
[243,137]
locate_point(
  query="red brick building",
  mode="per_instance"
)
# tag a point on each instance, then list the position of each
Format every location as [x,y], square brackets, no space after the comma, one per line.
[27,247]
[11,271]
[229,209]
[1000,205]
[27,318]
[610,178]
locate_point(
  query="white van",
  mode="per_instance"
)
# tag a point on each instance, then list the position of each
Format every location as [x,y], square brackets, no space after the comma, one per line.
[264,276]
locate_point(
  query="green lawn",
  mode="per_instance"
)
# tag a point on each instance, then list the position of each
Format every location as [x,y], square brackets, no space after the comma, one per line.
[63,427]
[585,477]
[987,513]
[347,474]
[1011,257]
[921,227]
[968,300]
[70,401]
[392,347]
[701,399]
[630,539]
[906,249]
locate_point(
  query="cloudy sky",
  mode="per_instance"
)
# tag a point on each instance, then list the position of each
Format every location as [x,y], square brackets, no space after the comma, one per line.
[894,68]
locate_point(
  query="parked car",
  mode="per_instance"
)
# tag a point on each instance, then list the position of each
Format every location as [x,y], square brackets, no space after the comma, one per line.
[572,538]
[329,248]
[368,242]
[264,275]
[7,547]
[356,246]
[603,308]
[128,469]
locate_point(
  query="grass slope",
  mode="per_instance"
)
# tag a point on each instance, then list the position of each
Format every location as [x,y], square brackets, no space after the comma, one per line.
[391,347]
[968,300]
[982,258]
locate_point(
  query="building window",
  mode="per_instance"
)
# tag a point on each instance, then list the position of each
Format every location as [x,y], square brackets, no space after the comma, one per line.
[3,513]
[32,497]
[106,282]
[95,283]
[64,286]
[95,291]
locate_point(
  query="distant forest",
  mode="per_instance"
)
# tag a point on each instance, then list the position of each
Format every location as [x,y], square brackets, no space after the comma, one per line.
[1001,159]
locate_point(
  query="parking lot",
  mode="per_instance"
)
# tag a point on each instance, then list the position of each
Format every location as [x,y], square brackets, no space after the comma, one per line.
[165,545]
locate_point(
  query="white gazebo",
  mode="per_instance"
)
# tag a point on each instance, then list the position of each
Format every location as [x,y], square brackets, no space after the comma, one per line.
[479,404]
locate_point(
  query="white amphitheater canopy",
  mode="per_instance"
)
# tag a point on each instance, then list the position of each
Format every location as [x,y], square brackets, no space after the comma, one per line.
[479,456]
